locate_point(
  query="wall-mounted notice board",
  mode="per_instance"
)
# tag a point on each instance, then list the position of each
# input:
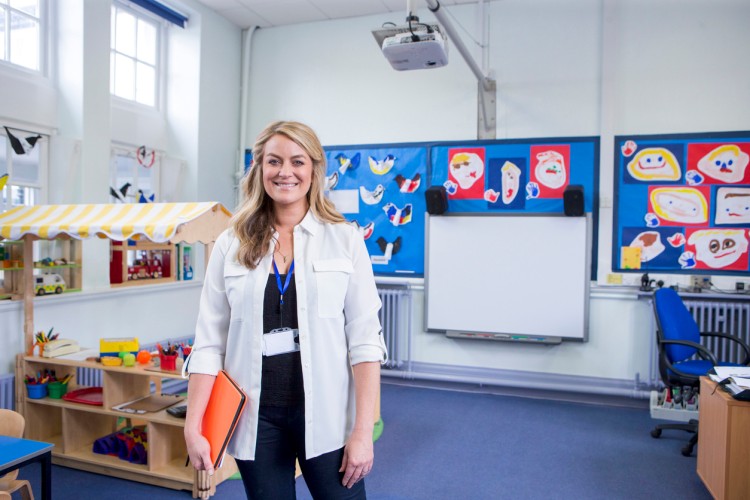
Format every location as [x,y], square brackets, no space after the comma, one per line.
[516,176]
[522,277]
[381,189]
[682,203]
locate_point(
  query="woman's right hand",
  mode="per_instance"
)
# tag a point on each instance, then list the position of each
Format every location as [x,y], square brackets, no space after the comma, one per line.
[199,451]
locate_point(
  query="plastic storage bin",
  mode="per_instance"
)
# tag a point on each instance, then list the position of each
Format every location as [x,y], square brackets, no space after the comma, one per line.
[36,391]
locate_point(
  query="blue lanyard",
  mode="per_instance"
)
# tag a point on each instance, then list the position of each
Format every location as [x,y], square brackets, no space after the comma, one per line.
[282,290]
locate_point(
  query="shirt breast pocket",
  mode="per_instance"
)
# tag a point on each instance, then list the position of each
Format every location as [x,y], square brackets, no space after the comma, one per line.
[332,280]
[235,275]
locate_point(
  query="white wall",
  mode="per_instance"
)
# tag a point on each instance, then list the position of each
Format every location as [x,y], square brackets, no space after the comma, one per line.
[563,68]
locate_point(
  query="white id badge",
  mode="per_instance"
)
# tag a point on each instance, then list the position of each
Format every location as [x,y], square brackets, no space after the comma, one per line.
[280,341]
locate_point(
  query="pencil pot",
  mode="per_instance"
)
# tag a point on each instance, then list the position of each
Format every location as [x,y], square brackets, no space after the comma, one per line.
[36,391]
[56,389]
[168,361]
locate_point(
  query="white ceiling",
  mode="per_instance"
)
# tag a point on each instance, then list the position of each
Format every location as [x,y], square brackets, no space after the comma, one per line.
[267,13]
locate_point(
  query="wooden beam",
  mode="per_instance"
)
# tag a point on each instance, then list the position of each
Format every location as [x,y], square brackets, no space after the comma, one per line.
[28,292]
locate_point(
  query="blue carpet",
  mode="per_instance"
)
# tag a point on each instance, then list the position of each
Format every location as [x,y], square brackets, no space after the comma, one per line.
[440,444]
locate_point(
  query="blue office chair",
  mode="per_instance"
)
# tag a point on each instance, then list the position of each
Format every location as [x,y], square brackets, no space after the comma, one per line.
[682,358]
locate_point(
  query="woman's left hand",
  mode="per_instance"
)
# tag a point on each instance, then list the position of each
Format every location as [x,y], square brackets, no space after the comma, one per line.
[358,458]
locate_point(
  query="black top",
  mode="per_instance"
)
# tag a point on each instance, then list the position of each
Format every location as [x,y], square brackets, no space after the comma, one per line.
[281,382]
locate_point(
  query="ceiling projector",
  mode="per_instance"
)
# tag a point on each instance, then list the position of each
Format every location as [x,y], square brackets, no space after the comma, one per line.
[417,48]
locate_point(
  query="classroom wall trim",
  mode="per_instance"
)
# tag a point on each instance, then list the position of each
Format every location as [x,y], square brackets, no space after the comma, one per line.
[522,380]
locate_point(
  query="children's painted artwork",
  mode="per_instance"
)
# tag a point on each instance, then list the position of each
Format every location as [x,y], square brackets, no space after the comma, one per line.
[683,201]
[380,190]
[515,175]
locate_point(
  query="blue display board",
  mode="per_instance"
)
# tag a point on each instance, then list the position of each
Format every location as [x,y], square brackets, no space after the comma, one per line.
[381,188]
[682,203]
[516,176]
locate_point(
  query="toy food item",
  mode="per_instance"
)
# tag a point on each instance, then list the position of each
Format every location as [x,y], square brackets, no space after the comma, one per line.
[726,163]
[111,360]
[684,205]
[144,357]
[128,359]
[652,164]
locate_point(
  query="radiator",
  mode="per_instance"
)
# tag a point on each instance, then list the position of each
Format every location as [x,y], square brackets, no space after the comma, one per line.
[7,391]
[720,316]
[724,317]
[395,318]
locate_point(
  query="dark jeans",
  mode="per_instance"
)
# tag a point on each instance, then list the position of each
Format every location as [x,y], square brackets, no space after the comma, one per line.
[281,439]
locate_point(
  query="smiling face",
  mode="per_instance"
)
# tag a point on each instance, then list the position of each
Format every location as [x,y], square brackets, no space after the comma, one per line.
[287,173]
[654,164]
[550,169]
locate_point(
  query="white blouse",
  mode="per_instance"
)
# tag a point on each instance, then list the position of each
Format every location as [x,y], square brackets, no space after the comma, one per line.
[337,310]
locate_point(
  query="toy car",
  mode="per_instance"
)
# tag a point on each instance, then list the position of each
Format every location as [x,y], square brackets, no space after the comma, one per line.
[49,283]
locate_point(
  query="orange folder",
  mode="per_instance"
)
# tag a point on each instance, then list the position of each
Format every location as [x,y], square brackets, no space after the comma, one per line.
[225,405]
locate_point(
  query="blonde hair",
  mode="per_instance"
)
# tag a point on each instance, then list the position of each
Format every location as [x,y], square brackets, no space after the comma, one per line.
[253,221]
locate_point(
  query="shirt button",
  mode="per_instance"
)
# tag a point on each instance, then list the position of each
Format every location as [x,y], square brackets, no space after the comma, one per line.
[307,365]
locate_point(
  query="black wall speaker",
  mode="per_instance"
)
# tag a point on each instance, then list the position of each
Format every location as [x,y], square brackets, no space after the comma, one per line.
[436,199]
[573,200]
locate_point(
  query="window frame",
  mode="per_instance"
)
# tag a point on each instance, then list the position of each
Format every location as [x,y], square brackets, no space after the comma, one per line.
[160,55]
[43,48]
[128,151]
[41,184]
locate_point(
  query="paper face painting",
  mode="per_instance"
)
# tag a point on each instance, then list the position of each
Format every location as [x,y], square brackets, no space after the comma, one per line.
[724,249]
[466,171]
[721,163]
[733,205]
[506,178]
[550,169]
[679,205]
[654,164]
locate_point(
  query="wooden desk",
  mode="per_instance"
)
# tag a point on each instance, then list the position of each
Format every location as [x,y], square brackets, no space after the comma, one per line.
[17,452]
[723,443]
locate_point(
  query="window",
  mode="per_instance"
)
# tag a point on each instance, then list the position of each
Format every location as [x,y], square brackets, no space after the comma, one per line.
[134,176]
[21,32]
[135,58]
[26,173]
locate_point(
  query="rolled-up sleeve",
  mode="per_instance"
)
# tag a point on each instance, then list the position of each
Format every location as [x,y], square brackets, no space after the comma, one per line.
[212,327]
[362,326]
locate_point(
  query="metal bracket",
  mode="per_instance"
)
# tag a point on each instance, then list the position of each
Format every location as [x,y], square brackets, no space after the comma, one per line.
[486,109]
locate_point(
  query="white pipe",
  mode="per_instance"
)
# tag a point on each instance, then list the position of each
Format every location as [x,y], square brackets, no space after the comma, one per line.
[244,86]
[409,8]
[434,6]
[547,386]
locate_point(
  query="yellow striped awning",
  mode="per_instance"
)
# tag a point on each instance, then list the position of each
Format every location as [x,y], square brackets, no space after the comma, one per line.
[157,222]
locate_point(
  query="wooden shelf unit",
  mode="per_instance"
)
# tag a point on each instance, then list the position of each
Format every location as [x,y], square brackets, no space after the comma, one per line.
[12,264]
[723,442]
[73,427]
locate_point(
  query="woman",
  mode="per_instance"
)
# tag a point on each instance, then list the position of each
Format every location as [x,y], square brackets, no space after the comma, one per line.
[289,309]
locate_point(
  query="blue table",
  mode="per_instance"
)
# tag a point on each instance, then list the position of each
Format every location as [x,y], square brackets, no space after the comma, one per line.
[17,452]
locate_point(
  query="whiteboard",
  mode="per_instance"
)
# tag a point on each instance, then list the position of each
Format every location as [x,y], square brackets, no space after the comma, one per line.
[522,275]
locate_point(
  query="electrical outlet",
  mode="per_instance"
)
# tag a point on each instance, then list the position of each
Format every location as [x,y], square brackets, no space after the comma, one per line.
[700,282]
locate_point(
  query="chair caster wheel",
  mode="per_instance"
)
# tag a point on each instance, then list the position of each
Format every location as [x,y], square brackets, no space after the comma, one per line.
[655,433]
[687,451]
